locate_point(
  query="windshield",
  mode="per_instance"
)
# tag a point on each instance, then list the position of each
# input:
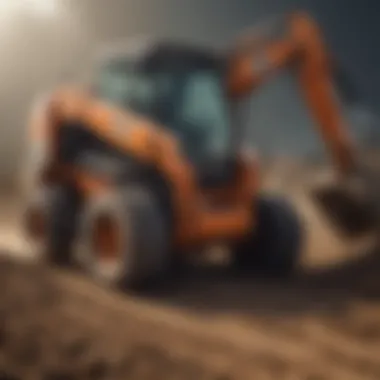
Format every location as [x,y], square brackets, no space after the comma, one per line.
[188,101]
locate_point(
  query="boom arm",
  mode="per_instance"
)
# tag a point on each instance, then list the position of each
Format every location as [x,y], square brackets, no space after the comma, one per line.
[295,41]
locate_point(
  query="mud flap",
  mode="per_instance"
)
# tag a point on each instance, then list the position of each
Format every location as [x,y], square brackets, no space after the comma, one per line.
[353,215]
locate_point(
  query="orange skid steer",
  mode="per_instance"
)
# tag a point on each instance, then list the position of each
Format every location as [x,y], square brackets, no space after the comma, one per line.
[147,164]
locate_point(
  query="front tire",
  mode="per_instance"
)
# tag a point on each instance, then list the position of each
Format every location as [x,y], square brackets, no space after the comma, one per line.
[137,253]
[274,247]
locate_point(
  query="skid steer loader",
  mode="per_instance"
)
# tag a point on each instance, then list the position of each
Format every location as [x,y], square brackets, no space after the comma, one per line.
[148,163]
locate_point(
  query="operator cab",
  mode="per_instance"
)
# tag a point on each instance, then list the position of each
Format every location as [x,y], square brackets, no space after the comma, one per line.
[182,89]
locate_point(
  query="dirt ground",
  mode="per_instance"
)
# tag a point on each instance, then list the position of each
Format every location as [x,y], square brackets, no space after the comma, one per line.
[322,325]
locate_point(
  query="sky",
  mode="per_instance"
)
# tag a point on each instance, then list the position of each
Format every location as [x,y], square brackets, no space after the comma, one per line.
[43,47]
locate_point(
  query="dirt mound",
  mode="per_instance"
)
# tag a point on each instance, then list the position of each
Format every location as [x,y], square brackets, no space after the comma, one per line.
[58,326]
[44,334]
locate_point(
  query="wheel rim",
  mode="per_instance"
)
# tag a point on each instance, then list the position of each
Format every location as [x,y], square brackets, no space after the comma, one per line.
[106,242]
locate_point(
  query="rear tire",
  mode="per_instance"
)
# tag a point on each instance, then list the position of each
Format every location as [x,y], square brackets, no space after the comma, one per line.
[274,246]
[59,208]
[143,246]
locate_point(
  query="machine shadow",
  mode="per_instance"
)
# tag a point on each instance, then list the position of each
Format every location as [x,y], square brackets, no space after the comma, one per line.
[329,291]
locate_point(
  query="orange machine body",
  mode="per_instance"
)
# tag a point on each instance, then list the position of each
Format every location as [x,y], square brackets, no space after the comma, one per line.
[201,216]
